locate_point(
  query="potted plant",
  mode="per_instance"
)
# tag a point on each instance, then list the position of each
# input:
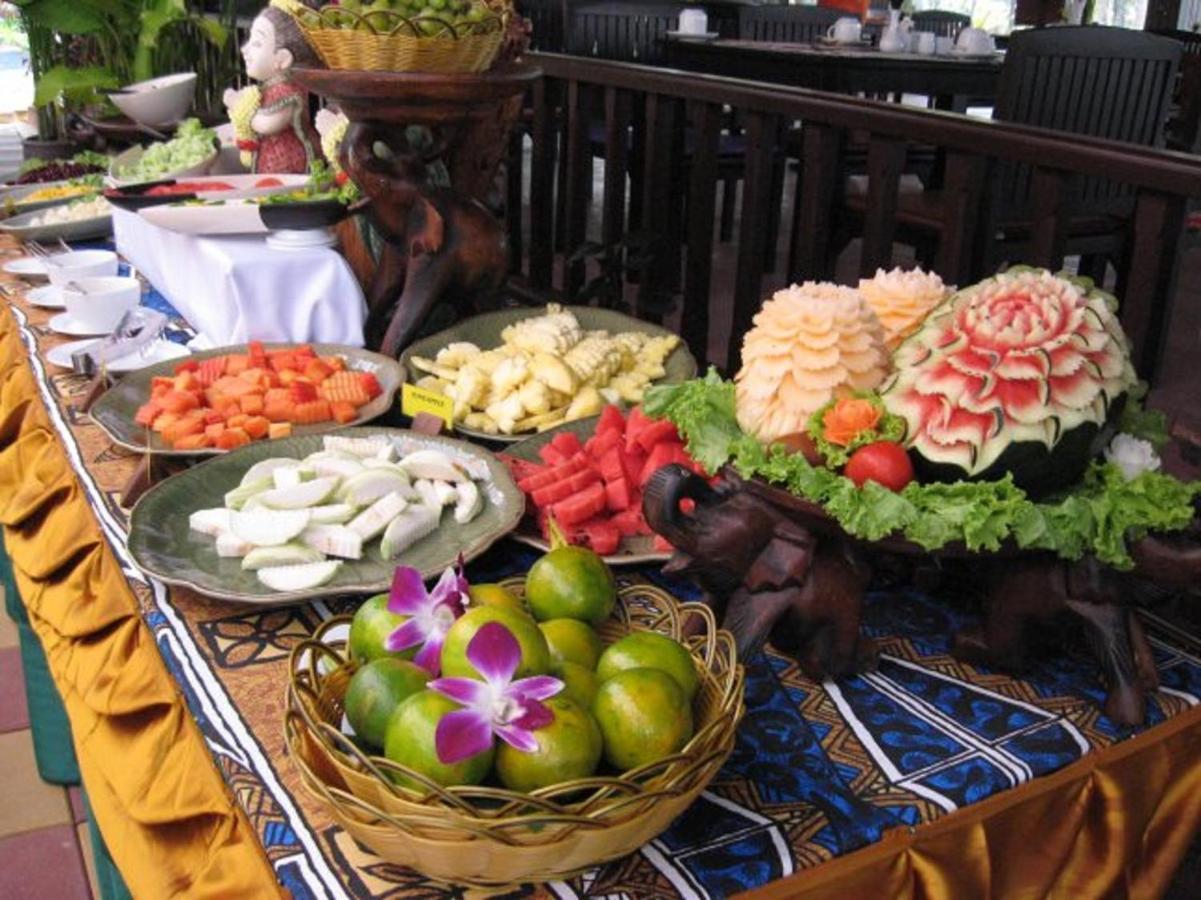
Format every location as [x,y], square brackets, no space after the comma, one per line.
[80,48]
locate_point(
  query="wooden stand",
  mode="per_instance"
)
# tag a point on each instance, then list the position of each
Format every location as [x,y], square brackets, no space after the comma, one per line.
[773,565]
[440,242]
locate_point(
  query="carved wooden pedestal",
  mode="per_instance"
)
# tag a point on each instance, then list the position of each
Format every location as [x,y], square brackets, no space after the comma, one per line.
[776,566]
[440,242]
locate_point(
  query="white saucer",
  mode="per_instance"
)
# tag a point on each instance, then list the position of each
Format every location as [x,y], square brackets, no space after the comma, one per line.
[306,239]
[47,297]
[63,323]
[692,35]
[27,267]
[160,351]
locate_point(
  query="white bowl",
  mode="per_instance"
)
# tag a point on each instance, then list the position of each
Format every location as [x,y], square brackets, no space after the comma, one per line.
[64,267]
[103,301]
[159,101]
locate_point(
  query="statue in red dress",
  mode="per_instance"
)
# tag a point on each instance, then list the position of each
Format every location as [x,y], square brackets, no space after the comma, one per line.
[271,119]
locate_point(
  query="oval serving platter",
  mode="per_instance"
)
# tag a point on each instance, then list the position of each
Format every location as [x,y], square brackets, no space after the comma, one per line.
[165,548]
[634,550]
[484,331]
[115,409]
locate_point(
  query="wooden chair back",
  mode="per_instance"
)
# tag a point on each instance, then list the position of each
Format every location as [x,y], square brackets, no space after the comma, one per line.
[627,32]
[787,24]
[1184,131]
[548,19]
[941,23]
[1110,83]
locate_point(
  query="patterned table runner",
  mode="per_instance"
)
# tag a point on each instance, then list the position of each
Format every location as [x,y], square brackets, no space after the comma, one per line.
[819,771]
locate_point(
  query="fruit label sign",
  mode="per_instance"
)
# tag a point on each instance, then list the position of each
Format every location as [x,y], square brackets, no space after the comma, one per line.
[414,400]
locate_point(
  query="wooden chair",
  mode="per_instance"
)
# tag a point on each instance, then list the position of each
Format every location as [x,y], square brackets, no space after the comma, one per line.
[786,24]
[627,32]
[1184,130]
[548,19]
[1101,82]
[943,24]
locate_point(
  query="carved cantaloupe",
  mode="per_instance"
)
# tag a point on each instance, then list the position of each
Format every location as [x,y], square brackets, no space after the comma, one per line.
[902,299]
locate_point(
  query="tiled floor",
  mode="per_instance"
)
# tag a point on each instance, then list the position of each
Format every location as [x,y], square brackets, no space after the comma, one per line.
[45,850]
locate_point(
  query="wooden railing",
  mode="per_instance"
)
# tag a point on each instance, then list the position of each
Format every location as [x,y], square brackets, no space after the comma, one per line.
[664,136]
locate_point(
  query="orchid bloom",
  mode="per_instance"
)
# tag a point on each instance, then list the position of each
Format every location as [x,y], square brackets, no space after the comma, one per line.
[498,705]
[431,613]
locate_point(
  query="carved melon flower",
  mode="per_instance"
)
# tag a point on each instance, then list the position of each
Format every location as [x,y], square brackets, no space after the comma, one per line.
[902,299]
[1132,455]
[1025,356]
[811,342]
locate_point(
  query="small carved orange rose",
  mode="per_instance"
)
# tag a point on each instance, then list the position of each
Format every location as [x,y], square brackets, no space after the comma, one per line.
[848,418]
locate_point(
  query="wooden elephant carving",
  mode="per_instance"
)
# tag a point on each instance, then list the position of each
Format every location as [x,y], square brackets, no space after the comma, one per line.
[764,575]
[438,242]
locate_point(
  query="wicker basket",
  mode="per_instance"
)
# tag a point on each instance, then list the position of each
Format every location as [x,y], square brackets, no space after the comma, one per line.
[491,838]
[386,41]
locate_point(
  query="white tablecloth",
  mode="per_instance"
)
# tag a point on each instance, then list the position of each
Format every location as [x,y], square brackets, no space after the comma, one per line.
[237,289]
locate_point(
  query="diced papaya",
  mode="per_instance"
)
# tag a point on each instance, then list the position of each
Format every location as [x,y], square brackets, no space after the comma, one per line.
[165,421]
[334,362]
[279,430]
[253,375]
[236,362]
[288,376]
[252,404]
[188,365]
[147,413]
[214,430]
[186,381]
[278,409]
[179,401]
[159,381]
[302,391]
[343,412]
[257,427]
[233,438]
[257,351]
[304,351]
[311,413]
[277,395]
[196,442]
[210,370]
[370,384]
[346,386]
[236,421]
[212,417]
[316,371]
[182,427]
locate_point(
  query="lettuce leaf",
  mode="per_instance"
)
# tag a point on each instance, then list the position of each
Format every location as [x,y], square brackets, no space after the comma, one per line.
[1098,516]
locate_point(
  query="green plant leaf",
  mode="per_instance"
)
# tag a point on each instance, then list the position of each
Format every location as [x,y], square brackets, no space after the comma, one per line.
[65,16]
[78,85]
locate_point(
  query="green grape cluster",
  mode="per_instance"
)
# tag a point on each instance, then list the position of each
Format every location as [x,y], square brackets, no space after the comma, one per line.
[429,16]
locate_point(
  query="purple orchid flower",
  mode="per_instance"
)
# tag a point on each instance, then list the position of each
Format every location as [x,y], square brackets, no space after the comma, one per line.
[498,705]
[431,613]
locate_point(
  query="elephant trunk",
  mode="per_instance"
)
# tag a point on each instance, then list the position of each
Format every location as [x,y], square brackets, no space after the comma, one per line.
[661,501]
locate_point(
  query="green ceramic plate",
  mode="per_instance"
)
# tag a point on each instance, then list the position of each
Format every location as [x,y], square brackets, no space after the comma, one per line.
[115,409]
[633,550]
[484,331]
[165,548]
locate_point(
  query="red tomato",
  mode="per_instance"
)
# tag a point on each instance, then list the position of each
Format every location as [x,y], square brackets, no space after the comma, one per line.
[884,462]
[268,183]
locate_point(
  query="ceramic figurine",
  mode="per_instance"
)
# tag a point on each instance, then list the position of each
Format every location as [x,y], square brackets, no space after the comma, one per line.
[271,118]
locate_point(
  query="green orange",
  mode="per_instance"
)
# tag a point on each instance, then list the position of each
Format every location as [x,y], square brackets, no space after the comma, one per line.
[571,640]
[579,683]
[646,649]
[643,716]
[568,748]
[410,742]
[495,595]
[372,624]
[571,583]
[375,691]
[535,655]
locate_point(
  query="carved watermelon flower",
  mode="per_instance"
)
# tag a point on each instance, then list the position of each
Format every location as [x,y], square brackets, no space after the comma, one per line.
[498,705]
[1025,356]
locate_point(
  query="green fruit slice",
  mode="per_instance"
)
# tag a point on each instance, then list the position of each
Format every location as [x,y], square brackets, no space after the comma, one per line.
[301,496]
[268,527]
[283,555]
[299,578]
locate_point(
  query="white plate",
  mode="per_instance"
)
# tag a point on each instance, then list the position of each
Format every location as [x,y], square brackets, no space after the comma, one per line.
[130,157]
[160,351]
[301,240]
[27,267]
[47,297]
[63,323]
[23,228]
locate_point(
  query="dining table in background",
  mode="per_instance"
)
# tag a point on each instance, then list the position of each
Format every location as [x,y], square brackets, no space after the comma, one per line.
[954,81]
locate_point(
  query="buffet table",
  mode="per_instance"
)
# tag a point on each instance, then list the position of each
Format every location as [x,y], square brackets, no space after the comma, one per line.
[927,776]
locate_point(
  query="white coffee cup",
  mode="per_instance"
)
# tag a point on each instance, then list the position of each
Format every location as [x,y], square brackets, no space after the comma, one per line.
[975,41]
[846,30]
[693,21]
[925,42]
[64,267]
[101,302]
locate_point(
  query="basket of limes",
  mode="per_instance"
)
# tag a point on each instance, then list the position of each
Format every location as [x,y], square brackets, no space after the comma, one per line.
[435,36]
[495,735]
